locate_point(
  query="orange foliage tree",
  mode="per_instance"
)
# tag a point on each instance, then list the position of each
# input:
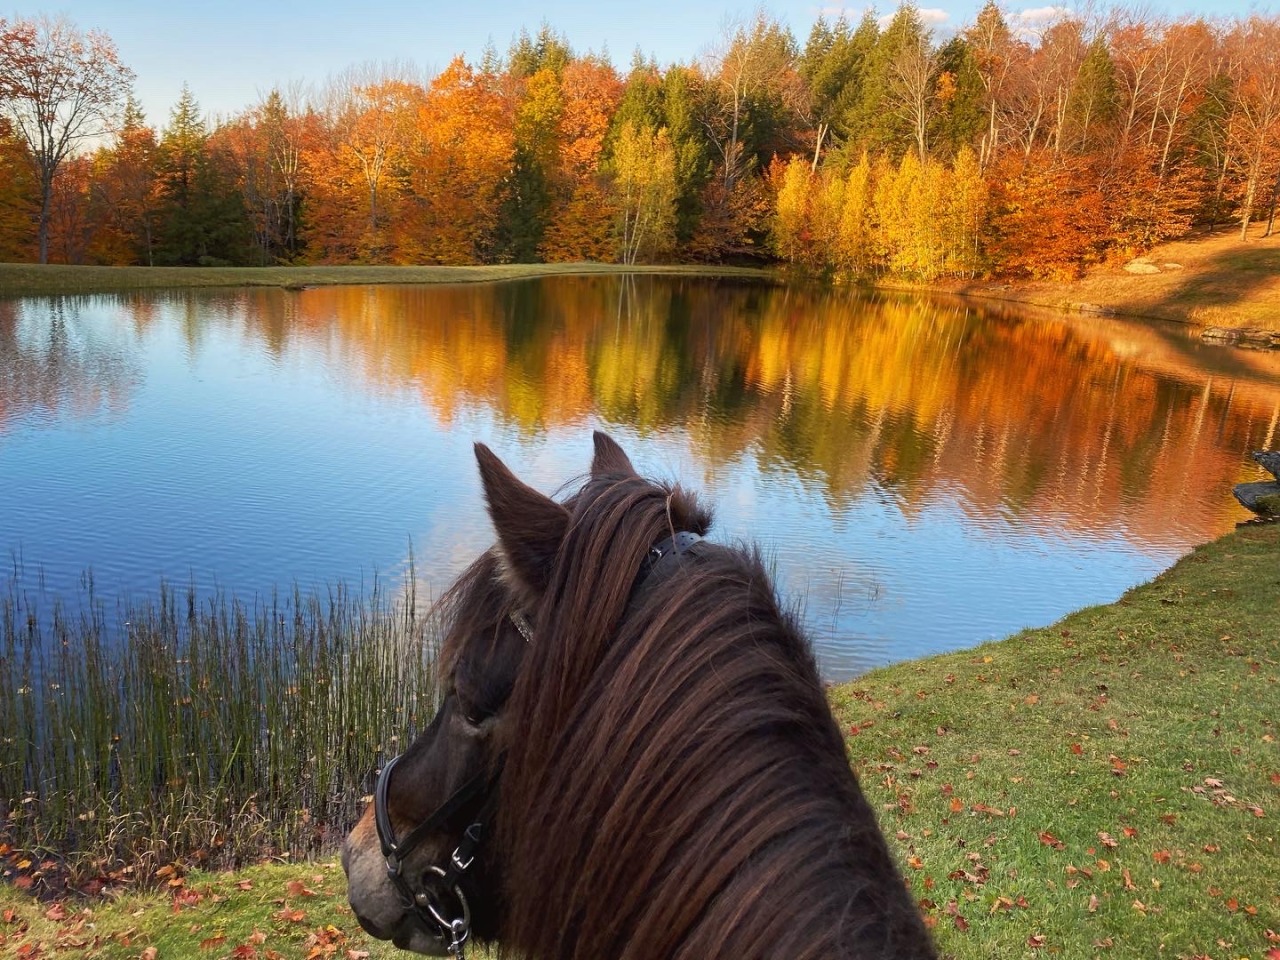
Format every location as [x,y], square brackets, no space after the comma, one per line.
[18,198]
[463,152]
[1049,218]
[581,215]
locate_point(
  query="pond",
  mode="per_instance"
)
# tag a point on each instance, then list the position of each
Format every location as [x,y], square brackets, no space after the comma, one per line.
[925,474]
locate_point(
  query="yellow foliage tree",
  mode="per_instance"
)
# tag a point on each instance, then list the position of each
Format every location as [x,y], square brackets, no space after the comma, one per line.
[792,238]
[644,192]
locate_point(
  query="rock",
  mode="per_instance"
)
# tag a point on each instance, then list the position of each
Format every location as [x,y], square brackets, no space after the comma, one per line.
[1262,498]
[1170,266]
[1140,266]
[1269,460]
[1096,308]
[1253,337]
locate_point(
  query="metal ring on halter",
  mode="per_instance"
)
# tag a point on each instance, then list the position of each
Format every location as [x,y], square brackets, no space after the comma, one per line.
[459,933]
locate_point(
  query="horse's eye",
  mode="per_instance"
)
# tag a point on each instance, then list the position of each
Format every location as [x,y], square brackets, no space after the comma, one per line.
[474,714]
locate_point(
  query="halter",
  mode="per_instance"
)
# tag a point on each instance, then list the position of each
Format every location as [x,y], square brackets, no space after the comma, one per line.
[451,923]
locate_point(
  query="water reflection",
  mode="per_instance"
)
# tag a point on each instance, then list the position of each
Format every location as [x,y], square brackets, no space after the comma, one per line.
[1104,426]
[922,469]
[55,365]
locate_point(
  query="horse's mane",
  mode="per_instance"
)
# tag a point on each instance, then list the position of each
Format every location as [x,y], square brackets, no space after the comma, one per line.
[675,784]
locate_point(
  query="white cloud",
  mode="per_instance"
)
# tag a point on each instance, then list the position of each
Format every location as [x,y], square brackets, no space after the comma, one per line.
[1038,15]
[929,16]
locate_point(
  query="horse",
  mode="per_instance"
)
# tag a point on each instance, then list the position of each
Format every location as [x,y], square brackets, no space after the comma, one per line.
[633,756]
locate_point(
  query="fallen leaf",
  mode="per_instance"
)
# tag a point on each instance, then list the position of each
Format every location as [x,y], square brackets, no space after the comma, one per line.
[245,884]
[1035,941]
[208,943]
[150,953]
[297,888]
[1093,902]
[1162,856]
[1049,840]
[1128,880]
[56,913]
[961,923]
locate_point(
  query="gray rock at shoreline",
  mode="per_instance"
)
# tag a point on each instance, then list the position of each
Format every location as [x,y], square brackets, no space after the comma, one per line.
[1242,336]
[1262,498]
[1269,460]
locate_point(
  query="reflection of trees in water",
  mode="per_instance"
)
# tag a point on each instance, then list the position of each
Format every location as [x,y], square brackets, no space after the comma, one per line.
[1101,423]
[56,363]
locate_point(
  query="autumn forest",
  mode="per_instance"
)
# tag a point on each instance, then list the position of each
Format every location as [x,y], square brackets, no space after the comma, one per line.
[865,148]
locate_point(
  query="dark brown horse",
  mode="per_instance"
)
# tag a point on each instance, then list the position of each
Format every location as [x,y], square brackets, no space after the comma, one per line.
[634,757]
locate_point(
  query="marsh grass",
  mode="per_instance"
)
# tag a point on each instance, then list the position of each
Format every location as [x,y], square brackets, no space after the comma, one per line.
[201,729]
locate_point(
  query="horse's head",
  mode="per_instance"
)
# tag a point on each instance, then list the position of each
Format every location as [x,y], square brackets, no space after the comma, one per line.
[421,859]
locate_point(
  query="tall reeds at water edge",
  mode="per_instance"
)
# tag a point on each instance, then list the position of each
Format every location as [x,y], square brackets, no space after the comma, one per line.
[199,728]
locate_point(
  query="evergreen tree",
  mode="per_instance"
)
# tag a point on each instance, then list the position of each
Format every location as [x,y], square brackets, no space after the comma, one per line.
[831,66]
[201,217]
[961,116]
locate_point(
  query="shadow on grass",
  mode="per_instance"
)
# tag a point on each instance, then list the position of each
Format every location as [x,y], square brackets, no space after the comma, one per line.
[1228,287]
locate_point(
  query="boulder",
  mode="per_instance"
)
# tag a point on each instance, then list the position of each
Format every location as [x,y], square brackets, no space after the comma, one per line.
[1254,337]
[1269,460]
[1141,266]
[1262,498]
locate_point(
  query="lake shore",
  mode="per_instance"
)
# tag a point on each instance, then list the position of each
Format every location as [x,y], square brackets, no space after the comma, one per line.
[21,279]
[1106,786]
[1214,280]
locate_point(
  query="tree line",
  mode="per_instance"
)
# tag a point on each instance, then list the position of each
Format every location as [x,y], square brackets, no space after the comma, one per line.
[872,147]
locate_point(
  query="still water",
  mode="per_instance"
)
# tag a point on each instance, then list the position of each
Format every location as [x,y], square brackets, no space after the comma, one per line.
[925,474]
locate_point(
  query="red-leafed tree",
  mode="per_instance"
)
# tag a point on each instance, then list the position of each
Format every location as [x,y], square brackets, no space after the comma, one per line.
[59,87]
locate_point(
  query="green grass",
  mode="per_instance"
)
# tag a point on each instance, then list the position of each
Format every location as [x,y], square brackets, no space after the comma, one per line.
[17,279]
[1110,784]
[1105,787]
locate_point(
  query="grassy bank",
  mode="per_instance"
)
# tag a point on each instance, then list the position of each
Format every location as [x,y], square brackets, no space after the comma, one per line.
[19,279]
[1216,280]
[1105,787]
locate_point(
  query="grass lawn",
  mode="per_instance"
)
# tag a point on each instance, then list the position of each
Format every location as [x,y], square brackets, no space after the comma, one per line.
[24,279]
[1105,787]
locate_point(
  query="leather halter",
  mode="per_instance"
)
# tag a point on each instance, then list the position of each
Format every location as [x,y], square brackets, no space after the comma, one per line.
[451,923]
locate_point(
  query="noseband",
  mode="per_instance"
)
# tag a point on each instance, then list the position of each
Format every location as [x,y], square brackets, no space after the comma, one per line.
[451,923]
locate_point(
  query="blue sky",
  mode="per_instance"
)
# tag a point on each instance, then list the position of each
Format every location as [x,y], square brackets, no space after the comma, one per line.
[232,52]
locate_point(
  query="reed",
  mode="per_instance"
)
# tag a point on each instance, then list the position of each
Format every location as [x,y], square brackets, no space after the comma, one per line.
[201,728]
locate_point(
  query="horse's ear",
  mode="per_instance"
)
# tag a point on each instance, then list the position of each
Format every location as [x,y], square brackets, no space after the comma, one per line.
[529,525]
[609,458]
